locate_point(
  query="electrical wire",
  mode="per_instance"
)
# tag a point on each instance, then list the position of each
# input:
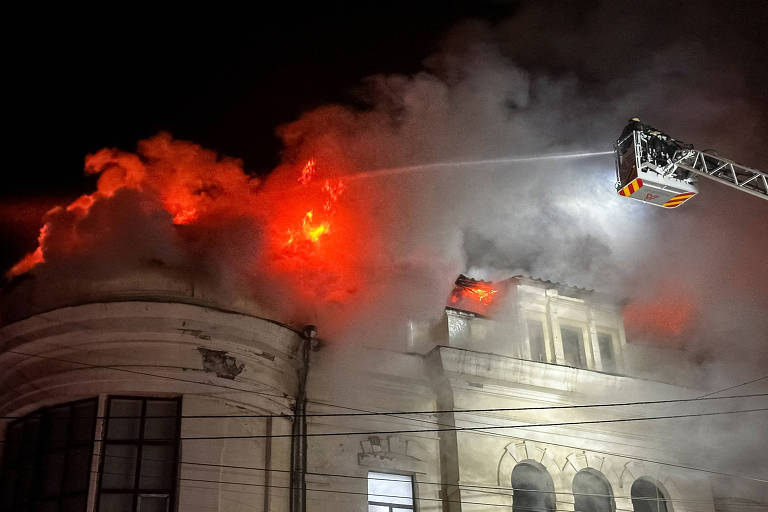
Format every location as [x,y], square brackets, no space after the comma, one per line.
[416,498]
[383,413]
[480,430]
[463,429]
[443,411]
[136,372]
[702,397]
[470,487]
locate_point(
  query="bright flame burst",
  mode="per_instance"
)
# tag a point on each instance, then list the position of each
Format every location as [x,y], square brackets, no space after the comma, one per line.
[473,295]
[484,295]
[314,227]
[308,172]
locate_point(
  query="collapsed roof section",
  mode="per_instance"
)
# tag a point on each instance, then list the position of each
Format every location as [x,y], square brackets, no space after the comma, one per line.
[484,298]
[477,296]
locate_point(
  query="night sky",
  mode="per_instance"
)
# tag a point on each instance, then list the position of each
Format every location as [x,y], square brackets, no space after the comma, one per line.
[81,81]
[224,80]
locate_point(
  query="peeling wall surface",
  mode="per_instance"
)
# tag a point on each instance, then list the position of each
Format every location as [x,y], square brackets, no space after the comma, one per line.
[220,364]
[242,370]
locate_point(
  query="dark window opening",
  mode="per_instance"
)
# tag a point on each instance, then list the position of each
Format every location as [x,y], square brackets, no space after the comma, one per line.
[47,459]
[605,341]
[536,338]
[592,492]
[532,488]
[140,457]
[647,497]
[573,347]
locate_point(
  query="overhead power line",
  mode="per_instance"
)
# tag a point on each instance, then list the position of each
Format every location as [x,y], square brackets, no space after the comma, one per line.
[480,430]
[467,429]
[384,413]
[415,498]
[469,487]
[463,429]
[702,397]
[443,411]
[120,368]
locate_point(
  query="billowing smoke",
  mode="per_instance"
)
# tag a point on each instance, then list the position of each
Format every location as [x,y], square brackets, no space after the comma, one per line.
[392,244]
[359,253]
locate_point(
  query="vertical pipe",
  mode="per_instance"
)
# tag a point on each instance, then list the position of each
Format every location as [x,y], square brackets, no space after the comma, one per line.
[298,487]
[267,462]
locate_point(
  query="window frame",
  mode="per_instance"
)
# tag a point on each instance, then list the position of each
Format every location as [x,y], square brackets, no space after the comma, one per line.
[542,326]
[614,353]
[136,491]
[581,342]
[44,447]
[393,506]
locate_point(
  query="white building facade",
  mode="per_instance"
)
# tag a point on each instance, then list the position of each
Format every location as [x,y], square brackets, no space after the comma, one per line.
[162,399]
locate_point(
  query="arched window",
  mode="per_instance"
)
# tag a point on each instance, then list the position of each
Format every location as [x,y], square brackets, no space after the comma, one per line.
[533,489]
[592,492]
[648,497]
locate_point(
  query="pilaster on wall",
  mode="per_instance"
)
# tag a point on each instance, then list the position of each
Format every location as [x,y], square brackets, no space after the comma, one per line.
[593,341]
[554,328]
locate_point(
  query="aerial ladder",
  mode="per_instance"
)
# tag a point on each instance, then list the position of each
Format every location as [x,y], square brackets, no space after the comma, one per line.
[657,169]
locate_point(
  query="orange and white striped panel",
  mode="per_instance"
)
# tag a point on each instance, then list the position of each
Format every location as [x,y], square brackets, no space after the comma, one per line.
[633,187]
[679,199]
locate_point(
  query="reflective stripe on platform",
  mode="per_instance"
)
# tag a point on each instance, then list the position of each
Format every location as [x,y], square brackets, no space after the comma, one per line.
[678,199]
[633,187]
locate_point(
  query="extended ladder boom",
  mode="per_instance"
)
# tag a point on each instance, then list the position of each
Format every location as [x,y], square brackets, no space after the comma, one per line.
[723,170]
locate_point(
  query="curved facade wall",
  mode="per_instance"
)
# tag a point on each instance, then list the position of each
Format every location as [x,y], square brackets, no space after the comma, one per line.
[216,362]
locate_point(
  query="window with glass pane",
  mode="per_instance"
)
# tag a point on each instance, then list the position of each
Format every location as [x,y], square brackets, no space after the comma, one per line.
[536,339]
[140,458]
[573,348]
[605,341]
[47,459]
[389,492]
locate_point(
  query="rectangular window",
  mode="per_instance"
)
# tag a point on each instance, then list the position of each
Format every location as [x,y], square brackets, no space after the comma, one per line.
[573,347]
[536,339]
[605,341]
[140,457]
[47,459]
[389,492]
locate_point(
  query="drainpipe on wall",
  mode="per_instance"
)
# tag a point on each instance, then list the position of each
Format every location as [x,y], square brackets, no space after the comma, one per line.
[299,427]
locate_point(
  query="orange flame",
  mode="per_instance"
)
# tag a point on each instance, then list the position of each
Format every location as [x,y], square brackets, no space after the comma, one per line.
[665,317]
[32,259]
[314,229]
[312,232]
[190,182]
[308,172]
[484,295]
[187,216]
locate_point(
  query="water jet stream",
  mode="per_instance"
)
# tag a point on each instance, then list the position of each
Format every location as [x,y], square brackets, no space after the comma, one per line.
[391,171]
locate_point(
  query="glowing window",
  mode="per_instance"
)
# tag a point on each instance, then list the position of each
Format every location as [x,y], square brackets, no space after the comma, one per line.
[388,492]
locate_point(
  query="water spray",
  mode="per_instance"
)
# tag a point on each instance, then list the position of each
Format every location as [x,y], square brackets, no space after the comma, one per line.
[391,171]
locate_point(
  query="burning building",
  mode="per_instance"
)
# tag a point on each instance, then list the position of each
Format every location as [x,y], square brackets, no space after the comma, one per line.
[152,395]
